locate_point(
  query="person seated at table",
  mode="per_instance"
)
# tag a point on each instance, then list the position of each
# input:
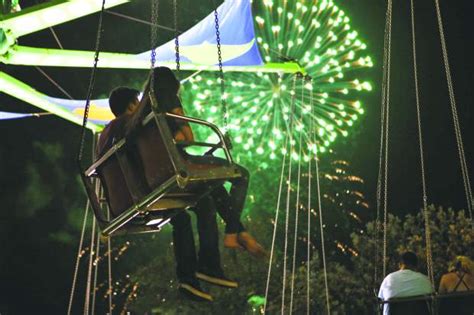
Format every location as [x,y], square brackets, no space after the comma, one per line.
[459,278]
[405,282]
[229,205]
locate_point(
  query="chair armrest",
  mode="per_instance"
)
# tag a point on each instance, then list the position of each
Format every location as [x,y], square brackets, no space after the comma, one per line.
[92,169]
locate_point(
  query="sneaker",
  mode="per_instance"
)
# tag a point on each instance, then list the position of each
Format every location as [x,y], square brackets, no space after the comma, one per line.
[193,291]
[217,279]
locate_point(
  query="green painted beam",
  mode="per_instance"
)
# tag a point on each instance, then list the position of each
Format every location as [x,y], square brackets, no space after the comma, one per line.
[13,87]
[50,14]
[31,56]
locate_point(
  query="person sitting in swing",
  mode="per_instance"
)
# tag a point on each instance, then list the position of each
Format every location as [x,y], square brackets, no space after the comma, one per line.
[229,205]
[459,278]
[405,282]
[124,102]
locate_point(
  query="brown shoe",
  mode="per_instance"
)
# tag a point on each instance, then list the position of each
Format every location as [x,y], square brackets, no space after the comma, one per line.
[251,245]
[231,241]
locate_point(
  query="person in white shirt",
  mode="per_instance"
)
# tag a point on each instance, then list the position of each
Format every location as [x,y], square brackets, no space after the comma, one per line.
[404,282]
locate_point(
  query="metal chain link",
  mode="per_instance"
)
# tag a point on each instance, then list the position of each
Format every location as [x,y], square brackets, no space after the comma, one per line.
[429,258]
[176,36]
[387,124]
[91,86]
[153,41]
[382,178]
[221,72]
[457,128]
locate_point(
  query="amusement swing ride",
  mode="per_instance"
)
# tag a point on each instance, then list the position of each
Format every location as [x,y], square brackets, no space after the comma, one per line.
[334,53]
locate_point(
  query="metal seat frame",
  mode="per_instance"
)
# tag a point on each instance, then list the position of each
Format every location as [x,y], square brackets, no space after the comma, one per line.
[434,302]
[185,179]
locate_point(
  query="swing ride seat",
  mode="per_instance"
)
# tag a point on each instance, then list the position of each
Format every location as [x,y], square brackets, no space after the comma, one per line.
[159,182]
[413,305]
[461,302]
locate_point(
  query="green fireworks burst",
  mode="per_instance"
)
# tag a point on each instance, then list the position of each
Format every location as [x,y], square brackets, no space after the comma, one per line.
[265,108]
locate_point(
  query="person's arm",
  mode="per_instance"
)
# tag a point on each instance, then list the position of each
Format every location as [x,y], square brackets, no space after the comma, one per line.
[185,132]
[443,288]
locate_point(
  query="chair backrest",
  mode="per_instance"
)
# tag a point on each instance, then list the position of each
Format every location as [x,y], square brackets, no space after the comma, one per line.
[156,161]
[115,188]
[122,179]
[456,303]
[408,306]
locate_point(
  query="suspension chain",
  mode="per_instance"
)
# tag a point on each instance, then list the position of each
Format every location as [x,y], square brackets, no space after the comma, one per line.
[221,72]
[457,128]
[288,193]
[91,86]
[429,258]
[153,41]
[176,36]
[275,223]
[297,204]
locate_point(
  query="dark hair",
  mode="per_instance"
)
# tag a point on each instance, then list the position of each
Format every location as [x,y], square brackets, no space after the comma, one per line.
[166,87]
[409,258]
[120,98]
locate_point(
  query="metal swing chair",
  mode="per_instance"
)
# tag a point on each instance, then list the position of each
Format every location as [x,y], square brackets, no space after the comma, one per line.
[159,182]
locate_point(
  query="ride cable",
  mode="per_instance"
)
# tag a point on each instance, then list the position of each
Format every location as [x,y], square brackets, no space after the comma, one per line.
[79,164]
[452,100]
[286,176]
[426,214]
[383,171]
[382,177]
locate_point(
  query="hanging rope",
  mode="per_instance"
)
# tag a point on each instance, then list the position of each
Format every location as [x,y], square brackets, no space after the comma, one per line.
[96,271]
[288,195]
[382,178]
[78,258]
[457,128]
[89,270]
[221,73]
[426,214]
[308,244]
[275,224]
[109,271]
[321,228]
[91,87]
[297,204]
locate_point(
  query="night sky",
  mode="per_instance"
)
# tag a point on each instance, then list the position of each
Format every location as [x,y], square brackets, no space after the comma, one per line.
[23,229]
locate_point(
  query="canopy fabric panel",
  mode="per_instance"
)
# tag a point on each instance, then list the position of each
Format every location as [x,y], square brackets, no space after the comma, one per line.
[198,45]
[8,115]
